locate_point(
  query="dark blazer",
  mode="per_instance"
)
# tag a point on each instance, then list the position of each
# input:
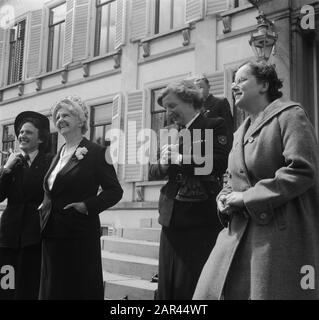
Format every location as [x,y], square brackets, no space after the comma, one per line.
[20,223]
[79,181]
[219,107]
[174,213]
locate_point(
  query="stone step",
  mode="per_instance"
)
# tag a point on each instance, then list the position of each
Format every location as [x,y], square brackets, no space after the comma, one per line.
[117,287]
[130,265]
[144,234]
[150,223]
[131,247]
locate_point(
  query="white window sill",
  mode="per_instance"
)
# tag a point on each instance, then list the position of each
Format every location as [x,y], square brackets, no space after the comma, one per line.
[164,34]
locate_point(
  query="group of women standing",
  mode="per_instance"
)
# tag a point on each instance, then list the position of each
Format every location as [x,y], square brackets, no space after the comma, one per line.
[269,207]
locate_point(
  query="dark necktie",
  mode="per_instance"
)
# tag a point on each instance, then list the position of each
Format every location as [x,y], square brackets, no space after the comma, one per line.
[25,162]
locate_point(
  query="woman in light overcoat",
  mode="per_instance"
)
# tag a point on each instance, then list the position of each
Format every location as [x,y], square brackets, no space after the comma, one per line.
[269,247]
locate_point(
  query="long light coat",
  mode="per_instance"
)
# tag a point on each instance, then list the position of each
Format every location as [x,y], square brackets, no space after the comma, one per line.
[262,251]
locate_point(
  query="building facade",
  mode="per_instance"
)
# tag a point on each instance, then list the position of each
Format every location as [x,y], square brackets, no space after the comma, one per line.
[118,54]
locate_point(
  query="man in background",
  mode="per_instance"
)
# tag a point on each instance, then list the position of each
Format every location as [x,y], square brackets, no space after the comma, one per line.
[214,107]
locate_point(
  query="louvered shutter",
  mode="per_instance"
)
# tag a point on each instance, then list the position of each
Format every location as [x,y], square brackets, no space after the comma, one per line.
[34,48]
[217,83]
[80,30]
[194,10]
[216,6]
[68,35]
[116,127]
[120,23]
[3,49]
[138,19]
[133,170]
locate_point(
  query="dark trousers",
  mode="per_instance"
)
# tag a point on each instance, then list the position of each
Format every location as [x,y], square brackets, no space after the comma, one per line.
[183,253]
[26,263]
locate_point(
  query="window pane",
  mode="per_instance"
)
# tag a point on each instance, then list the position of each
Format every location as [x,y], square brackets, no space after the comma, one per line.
[58,14]
[105,33]
[112,27]
[156,106]
[102,113]
[57,46]
[8,133]
[17,34]
[164,15]
[179,13]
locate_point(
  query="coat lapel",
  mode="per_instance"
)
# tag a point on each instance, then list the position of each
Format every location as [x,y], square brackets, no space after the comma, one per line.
[70,165]
[271,111]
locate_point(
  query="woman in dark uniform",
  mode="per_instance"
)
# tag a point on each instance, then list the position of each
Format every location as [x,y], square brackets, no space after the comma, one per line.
[71,264]
[187,204]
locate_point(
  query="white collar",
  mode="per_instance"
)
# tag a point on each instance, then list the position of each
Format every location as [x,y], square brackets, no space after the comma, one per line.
[32,155]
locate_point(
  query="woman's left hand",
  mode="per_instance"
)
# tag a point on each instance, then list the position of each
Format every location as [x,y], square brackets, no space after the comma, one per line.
[235,199]
[78,206]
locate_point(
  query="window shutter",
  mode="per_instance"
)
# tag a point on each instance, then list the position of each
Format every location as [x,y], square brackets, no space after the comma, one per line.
[116,125]
[216,6]
[80,30]
[138,19]
[133,170]
[194,10]
[120,23]
[217,83]
[4,54]
[34,48]
[68,39]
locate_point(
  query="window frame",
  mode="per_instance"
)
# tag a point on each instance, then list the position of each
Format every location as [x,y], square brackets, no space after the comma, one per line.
[156,17]
[4,142]
[99,4]
[49,40]
[100,124]
[10,72]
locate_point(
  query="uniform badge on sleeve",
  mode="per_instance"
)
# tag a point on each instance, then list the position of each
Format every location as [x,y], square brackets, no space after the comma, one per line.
[222,140]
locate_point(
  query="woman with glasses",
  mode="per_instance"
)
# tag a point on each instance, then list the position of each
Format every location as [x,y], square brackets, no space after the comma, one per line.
[269,247]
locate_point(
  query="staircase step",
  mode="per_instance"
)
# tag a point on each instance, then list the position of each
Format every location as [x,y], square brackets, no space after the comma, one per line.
[131,247]
[150,223]
[118,286]
[135,266]
[144,234]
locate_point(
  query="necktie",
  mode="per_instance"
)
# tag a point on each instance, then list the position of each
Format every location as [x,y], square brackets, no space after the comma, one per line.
[26,160]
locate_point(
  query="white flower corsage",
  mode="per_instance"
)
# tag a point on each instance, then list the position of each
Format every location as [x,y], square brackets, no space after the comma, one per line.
[80,153]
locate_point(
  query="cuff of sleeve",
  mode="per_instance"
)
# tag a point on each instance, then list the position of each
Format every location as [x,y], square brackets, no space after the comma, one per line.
[261,213]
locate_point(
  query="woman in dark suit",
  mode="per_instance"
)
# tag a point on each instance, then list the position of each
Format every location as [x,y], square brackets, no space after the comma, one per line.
[71,264]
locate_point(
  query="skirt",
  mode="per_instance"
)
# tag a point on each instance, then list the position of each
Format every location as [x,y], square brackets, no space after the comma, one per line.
[71,269]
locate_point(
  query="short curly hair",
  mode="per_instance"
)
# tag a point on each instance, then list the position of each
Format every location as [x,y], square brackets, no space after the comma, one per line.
[265,72]
[186,90]
[76,106]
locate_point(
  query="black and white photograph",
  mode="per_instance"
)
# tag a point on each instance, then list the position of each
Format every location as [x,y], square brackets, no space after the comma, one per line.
[159,150]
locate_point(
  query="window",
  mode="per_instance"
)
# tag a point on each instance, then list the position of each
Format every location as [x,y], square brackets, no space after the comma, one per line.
[105,27]
[56,37]
[239,3]
[169,14]
[101,122]
[8,142]
[17,34]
